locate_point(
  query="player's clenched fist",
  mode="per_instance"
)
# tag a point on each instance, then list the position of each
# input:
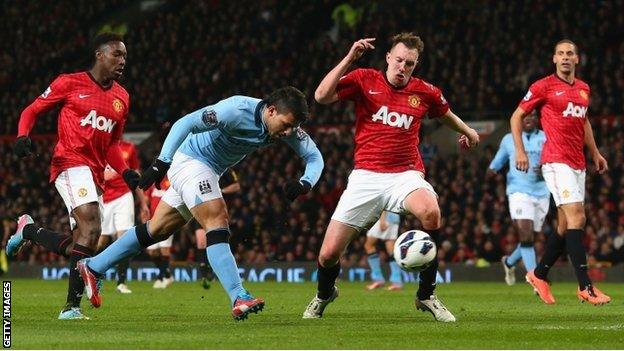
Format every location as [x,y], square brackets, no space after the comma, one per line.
[131,177]
[522,161]
[154,174]
[294,188]
[358,48]
[23,147]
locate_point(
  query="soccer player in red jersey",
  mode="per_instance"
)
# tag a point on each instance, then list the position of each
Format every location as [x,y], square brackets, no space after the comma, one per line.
[118,214]
[563,100]
[94,108]
[389,172]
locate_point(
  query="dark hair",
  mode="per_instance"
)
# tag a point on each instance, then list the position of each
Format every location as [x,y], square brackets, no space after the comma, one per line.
[104,38]
[289,99]
[566,41]
[411,40]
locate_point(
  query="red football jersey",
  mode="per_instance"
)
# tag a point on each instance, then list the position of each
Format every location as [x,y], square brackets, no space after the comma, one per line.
[155,195]
[563,109]
[388,119]
[91,118]
[116,187]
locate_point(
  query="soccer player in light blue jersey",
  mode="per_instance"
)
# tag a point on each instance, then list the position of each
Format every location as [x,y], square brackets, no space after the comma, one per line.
[200,147]
[385,229]
[529,198]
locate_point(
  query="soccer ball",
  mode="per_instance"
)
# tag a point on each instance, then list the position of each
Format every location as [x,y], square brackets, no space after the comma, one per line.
[414,250]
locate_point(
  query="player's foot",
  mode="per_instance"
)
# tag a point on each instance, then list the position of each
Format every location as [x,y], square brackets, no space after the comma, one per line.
[72,313]
[510,272]
[375,285]
[394,287]
[541,288]
[436,308]
[592,295]
[166,282]
[93,285]
[158,284]
[246,304]
[205,283]
[317,305]
[16,241]
[123,288]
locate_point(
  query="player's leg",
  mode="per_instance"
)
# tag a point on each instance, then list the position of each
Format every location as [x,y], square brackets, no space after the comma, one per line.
[213,217]
[337,238]
[154,253]
[165,262]
[423,203]
[372,256]
[205,271]
[396,278]
[166,219]
[123,219]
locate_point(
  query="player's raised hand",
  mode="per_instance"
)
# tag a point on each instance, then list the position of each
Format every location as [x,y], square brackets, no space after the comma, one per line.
[359,47]
[154,174]
[522,161]
[294,188]
[23,147]
[600,163]
[469,140]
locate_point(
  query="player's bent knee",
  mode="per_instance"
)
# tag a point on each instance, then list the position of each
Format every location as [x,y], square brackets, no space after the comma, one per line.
[328,258]
[430,218]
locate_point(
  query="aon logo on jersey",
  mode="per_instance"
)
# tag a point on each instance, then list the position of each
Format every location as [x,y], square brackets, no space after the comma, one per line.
[575,111]
[393,119]
[98,122]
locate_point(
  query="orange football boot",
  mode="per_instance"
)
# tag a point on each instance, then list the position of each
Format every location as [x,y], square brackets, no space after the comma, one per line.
[592,295]
[541,287]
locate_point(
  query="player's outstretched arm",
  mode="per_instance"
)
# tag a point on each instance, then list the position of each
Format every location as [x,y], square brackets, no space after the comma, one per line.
[599,161]
[326,91]
[522,160]
[470,136]
[305,147]
[501,157]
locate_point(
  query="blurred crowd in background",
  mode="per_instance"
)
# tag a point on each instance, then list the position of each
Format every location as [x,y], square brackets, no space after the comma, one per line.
[185,55]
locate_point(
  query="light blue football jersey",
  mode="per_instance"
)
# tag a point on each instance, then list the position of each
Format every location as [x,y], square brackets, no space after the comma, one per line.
[530,182]
[221,135]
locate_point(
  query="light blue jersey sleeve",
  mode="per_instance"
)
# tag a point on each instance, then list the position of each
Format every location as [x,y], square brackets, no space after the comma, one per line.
[393,218]
[305,147]
[502,155]
[222,115]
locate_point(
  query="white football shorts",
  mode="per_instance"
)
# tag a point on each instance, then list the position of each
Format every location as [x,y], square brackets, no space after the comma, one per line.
[566,185]
[118,214]
[525,206]
[77,187]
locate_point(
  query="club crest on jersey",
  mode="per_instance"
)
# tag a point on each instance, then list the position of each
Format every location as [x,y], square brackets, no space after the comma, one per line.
[583,94]
[576,111]
[209,117]
[393,119]
[82,192]
[413,100]
[301,134]
[117,105]
[46,92]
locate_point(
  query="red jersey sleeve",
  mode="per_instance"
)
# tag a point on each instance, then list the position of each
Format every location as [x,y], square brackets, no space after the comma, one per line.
[438,105]
[115,159]
[133,160]
[534,98]
[53,95]
[349,85]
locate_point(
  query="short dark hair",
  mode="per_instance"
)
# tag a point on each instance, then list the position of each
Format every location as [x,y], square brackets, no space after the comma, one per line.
[566,41]
[411,40]
[104,38]
[289,99]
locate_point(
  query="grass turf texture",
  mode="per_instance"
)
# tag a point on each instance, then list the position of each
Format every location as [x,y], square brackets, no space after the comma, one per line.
[490,315]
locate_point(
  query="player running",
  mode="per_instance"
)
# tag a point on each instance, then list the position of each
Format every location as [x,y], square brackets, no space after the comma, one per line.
[118,214]
[199,148]
[389,172]
[529,199]
[563,100]
[385,229]
[94,108]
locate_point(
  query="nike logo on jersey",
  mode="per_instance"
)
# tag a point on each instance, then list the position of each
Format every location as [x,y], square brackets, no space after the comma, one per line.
[558,93]
[374,92]
[81,96]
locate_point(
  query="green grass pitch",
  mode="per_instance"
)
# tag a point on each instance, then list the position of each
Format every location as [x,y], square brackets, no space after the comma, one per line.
[490,315]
